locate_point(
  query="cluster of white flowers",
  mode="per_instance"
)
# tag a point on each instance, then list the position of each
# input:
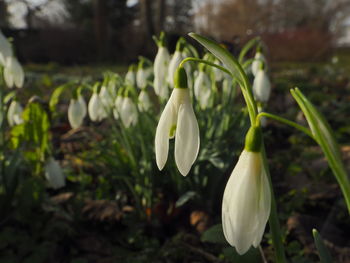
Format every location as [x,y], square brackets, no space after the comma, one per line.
[247,198]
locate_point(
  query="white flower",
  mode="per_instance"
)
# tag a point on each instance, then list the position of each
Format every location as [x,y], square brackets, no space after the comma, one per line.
[76,112]
[173,65]
[219,75]
[117,106]
[144,101]
[141,77]
[14,113]
[258,60]
[261,86]
[96,108]
[54,174]
[5,49]
[13,73]
[246,203]
[202,89]
[106,98]
[130,77]
[128,112]
[178,119]
[161,63]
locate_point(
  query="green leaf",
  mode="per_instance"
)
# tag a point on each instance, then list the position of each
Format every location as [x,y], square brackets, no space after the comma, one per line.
[185,198]
[214,234]
[324,136]
[221,53]
[56,96]
[247,47]
[323,252]
[9,97]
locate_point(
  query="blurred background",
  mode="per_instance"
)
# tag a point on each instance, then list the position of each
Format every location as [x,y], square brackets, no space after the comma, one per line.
[87,31]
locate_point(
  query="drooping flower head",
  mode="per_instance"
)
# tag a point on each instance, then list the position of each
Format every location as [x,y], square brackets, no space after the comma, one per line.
[145,102]
[76,110]
[130,77]
[144,72]
[5,49]
[261,86]
[54,174]
[259,60]
[14,113]
[176,60]
[96,109]
[202,88]
[160,68]
[128,112]
[247,198]
[178,120]
[13,73]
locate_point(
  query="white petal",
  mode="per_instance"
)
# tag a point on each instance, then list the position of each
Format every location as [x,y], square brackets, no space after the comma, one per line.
[261,86]
[5,49]
[161,63]
[186,138]
[18,74]
[144,101]
[166,121]
[174,63]
[128,112]
[246,203]
[8,76]
[95,108]
[75,114]
[54,174]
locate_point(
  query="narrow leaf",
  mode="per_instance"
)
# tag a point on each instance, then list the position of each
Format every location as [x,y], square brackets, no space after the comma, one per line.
[221,53]
[56,96]
[325,138]
[246,48]
[323,252]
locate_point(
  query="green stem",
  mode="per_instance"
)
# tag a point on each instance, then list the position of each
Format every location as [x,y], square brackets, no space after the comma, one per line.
[246,87]
[204,62]
[273,219]
[284,121]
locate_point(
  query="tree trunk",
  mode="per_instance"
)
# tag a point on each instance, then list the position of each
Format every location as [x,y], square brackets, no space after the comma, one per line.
[160,15]
[101,27]
[3,13]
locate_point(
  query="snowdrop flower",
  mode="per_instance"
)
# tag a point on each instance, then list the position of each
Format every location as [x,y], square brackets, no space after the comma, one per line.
[247,198]
[144,101]
[106,98]
[259,60]
[178,120]
[261,86]
[143,73]
[117,106]
[96,108]
[202,89]
[130,77]
[76,112]
[128,112]
[14,113]
[175,61]
[219,75]
[54,174]
[5,49]
[161,63]
[13,73]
